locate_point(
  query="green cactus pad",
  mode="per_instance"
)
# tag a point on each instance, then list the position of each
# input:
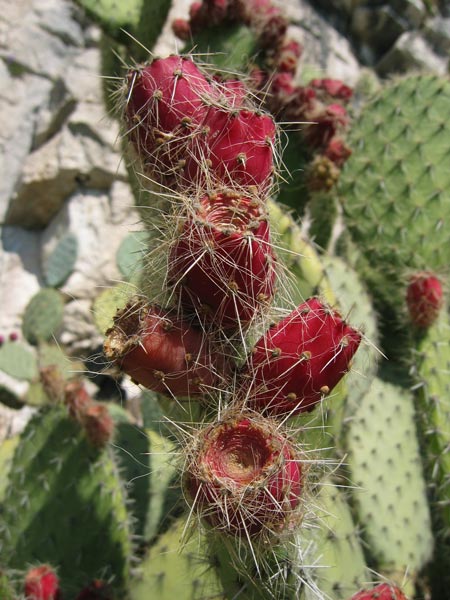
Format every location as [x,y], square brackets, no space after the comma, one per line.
[331,548]
[72,506]
[306,272]
[7,449]
[53,354]
[356,305]
[389,487]
[43,316]
[59,264]
[394,187]
[130,255]
[175,570]
[6,589]
[114,15]
[431,364]
[18,360]
[108,302]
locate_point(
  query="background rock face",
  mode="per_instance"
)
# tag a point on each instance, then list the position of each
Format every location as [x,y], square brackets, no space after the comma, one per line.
[64,187]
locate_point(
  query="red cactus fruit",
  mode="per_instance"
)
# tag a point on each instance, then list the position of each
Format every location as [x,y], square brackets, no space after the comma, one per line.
[97,424]
[337,151]
[299,360]
[383,591]
[165,107]
[42,583]
[424,298]
[163,352]
[96,590]
[237,150]
[182,29]
[77,399]
[333,89]
[287,57]
[327,120]
[231,92]
[244,477]
[222,264]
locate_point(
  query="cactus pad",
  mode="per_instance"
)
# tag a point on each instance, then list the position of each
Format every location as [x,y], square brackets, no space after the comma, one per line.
[62,485]
[18,360]
[43,316]
[385,467]
[130,255]
[59,264]
[394,187]
[108,302]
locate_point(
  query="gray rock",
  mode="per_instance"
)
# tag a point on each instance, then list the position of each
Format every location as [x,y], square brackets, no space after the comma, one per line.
[411,51]
[325,51]
[13,422]
[79,334]
[437,33]
[376,30]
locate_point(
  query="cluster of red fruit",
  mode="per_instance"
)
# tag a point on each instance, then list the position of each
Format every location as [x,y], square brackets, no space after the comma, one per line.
[204,139]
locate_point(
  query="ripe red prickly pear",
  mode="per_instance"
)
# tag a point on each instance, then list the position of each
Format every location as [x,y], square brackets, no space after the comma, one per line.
[299,360]
[42,583]
[383,591]
[165,106]
[163,352]
[98,424]
[237,150]
[222,264]
[244,477]
[332,88]
[424,298]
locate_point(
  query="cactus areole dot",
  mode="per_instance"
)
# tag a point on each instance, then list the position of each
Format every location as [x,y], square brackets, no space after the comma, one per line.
[244,477]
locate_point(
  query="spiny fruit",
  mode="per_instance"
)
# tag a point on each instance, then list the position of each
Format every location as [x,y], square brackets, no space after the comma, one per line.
[244,477]
[96,590]
[164,108]
[42,583]
[162,351]
[424,298]
[299,360]
[236,149]
[222,263]
[383,591]
[98,425]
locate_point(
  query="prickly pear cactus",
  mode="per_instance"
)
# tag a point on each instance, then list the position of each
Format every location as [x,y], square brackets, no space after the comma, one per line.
[394,186]
[63,484]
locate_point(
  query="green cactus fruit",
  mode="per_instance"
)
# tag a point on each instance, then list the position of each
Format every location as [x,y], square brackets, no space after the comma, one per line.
[59,264]
[18,360]
[331,548]
[431,367]
[176,569]
[130,255]
[108,302]
[43,316]
[389,487]
[72,505]
[306,273]
[394,187]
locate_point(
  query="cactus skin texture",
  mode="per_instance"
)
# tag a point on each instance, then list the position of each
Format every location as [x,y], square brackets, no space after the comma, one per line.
[424,298]
[42,583]
[259,469]
[383,591]
[163,352]
[55,455]
[222,263]
[299,360]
